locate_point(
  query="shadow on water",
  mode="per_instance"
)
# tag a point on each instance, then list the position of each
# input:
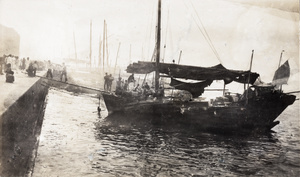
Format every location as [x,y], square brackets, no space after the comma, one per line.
[134,146]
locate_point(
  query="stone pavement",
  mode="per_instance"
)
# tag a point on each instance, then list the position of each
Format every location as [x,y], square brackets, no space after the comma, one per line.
[11,92]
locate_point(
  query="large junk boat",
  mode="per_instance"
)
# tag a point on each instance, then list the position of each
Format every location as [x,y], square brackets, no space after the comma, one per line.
[257,108]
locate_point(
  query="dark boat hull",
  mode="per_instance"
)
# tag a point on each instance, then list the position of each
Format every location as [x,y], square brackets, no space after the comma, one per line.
[259,114]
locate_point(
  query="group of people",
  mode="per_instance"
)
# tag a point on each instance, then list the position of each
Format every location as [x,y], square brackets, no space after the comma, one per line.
[128,86]
[8,63]
[108,79]
[55,70]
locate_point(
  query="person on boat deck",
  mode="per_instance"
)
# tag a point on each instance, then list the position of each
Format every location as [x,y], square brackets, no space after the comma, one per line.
[119,86]
[49,72]
[160,92]
[109,82]
[146,86]
[64,73]
[125,85]
[137,88]
[106,77]
[131,78]
[2,61]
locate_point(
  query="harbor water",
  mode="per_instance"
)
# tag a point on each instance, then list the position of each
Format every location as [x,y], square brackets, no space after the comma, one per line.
[76,141]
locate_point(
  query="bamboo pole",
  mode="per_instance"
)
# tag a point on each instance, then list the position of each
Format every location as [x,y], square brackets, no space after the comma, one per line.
[117,58]
[247,92]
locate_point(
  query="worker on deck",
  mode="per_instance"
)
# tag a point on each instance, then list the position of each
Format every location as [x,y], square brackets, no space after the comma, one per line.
[131,78]
[146,86]
[109,82]
[160,92]
[106,77]
[119,86]
[125,88]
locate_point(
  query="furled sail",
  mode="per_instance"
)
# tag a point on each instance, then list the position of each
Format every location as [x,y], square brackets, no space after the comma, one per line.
[218,72]
[196,89]
[282,74]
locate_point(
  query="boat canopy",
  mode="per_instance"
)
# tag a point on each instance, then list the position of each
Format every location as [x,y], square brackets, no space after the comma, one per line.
[196,89]
[218,72]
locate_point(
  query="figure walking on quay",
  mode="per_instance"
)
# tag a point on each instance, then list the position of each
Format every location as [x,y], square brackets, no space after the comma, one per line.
[49,72]
[64,73]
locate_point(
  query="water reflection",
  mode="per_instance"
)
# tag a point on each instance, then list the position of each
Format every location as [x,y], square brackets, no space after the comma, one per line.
[120,146]
[146,149]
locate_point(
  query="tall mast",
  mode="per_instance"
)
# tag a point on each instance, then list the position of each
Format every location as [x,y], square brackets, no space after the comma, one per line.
[249,77]
[117,58]
[103,45]
[107,63]
[100,43]
[158,46]
[75,45]
[90,43]
[280,88]
[280,58]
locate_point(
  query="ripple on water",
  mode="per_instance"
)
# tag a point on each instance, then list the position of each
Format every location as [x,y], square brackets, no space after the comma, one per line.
[103,147]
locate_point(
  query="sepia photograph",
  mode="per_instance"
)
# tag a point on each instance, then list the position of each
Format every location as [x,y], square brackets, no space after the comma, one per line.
[149,88]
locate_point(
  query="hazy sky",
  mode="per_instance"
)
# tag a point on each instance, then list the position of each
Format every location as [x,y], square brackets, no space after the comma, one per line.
[235,28]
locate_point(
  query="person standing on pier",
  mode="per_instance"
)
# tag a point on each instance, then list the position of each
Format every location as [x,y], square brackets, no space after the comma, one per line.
[49,72]
[23,67]
[64,73]
[35,67]
[27,63]
[31,71]
[17,62]
[9,74]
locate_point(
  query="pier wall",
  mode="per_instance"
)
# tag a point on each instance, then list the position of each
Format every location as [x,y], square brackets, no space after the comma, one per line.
[20,129]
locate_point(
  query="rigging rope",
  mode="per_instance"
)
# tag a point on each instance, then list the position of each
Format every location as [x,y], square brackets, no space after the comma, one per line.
[204,33]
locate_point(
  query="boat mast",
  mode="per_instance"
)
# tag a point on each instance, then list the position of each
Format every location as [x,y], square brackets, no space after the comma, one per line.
[280,58]
[158,46]
[100,46]
[179,56]
[75,45]
[91,43]
[249,77]
[117,58]
[106,45]
[103,45]
[280,88]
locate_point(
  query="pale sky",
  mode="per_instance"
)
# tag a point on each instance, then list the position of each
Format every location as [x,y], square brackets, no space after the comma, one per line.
[235,27]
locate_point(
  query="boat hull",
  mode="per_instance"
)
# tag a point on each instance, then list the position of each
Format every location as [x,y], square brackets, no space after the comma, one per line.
[257,114]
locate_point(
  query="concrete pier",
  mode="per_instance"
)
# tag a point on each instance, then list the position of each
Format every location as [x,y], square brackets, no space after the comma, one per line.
[21,115]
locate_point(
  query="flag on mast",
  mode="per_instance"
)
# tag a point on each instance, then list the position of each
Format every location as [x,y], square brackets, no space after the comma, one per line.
[282,74]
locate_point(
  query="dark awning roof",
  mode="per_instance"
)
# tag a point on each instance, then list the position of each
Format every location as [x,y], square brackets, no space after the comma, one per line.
[218,72]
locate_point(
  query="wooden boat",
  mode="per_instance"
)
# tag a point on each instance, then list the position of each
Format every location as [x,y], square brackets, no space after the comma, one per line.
[257,108]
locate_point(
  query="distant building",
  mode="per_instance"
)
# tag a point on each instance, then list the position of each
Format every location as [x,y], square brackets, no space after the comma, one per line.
[9,41]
